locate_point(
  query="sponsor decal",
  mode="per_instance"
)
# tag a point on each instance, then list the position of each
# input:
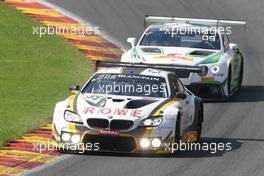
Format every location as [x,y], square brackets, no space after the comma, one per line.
[127,76]
[174,56]
[113,111]
[108,132]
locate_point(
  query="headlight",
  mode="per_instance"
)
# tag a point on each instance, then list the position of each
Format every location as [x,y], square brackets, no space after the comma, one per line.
[151,121]
[215,69]
[65,137]
[76,138]
[70,137]
[156,142]
[72,117]
[144,143]
[147,142]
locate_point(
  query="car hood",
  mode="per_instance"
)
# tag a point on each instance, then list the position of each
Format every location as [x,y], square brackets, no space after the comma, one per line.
[175,55]
[116,107]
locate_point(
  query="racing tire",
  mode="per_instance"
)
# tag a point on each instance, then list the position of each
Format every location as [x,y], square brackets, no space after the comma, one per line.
[241,74]
[178,129]
[229,79]
[199,125]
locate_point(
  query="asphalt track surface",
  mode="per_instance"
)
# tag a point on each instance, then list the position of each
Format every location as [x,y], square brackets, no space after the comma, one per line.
[239,121]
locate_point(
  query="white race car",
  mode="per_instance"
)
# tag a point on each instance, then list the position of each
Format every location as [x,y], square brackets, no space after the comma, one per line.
[129,108]
[195,42]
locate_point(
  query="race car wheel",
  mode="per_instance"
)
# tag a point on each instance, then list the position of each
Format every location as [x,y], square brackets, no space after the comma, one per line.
[178,129]
[241,74]
[199,126]
[199,131]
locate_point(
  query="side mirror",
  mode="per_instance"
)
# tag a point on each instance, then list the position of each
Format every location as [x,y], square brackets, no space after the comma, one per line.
[180,95]
[235,48]
[74,89]
[132,41]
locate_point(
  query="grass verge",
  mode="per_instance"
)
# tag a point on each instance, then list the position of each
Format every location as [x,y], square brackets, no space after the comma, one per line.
[34,73]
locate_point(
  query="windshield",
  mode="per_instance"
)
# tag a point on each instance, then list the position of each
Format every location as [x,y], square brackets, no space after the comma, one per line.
[189,39]
[127,85]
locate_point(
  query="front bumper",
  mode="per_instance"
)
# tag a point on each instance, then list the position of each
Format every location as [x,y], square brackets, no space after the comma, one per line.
[129,142]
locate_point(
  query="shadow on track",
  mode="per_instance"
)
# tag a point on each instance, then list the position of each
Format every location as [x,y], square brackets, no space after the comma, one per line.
[249,93]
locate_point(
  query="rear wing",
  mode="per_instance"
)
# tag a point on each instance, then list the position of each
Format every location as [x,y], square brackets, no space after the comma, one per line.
[148,20]
[178,69]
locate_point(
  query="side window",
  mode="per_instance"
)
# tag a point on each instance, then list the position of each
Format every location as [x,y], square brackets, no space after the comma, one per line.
[174,84]
[225,42]
[180,86]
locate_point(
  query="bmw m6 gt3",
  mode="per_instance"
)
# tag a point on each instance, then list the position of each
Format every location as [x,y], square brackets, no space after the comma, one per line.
[129,108]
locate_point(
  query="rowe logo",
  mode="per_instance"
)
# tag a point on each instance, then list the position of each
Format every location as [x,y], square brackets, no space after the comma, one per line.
[113,111]
[108,132]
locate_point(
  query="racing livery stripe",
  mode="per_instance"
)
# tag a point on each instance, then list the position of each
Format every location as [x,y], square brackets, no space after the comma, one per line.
[156,109]
[156,112]
[213,58]
[135,54]
[147,132]
[72,127]
[24,154]
[54,132]
[72,103]
[75,109]
[164,106]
